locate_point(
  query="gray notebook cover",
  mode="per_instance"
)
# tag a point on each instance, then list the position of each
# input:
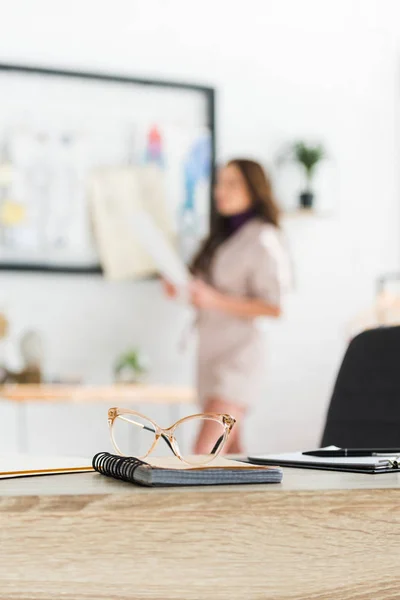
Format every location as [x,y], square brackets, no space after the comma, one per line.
[153,476]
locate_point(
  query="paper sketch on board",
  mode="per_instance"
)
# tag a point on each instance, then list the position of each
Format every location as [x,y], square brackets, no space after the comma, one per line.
[156,243]
[115,194]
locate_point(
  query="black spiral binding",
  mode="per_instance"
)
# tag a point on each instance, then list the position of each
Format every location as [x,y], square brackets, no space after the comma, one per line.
[118,467]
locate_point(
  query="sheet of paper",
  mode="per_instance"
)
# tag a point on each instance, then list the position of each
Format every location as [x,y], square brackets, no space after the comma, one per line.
[160,249]
[114,193]
[19,465]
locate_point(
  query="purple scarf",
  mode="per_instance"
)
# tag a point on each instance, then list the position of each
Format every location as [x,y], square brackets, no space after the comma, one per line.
[235,222]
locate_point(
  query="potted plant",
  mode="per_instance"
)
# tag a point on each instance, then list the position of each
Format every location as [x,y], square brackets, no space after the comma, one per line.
[131,367]
[308,157]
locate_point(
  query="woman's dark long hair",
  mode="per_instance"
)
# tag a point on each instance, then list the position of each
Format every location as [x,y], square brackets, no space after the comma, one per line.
[263,204]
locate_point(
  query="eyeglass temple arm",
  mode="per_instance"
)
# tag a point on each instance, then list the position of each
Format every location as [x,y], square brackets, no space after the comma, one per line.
[217,444]
[164,437]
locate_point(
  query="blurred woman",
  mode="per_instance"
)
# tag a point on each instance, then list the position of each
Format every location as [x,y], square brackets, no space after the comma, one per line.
[238,275]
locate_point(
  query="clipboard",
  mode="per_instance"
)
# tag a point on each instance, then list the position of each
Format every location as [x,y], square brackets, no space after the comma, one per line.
[372,465]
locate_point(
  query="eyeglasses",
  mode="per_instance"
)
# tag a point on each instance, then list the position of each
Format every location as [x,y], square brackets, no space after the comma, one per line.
[128,427]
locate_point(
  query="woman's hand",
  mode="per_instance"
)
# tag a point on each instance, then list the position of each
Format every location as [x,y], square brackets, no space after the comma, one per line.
[205,296]
[169,288]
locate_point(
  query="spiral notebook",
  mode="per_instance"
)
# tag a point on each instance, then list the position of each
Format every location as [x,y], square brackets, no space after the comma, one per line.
[171,471]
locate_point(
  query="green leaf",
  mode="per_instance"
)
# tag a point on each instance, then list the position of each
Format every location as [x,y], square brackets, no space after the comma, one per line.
[132,359]
[308,156]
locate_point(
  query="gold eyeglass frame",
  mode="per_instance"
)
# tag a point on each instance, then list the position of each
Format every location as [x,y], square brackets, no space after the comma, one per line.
[167,434]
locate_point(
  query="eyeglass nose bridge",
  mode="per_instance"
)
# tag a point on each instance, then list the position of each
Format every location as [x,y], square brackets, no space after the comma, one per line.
[168,437]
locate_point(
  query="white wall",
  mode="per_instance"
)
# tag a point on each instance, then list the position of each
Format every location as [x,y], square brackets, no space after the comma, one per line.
[283,70]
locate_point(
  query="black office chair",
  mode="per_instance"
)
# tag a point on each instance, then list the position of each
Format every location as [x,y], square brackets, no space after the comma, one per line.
[365,406]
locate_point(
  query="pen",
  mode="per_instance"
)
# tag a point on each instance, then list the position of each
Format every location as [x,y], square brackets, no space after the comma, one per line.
[354,452]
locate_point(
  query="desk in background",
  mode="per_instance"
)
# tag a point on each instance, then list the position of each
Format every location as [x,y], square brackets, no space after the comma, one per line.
[20,395]
[319,535]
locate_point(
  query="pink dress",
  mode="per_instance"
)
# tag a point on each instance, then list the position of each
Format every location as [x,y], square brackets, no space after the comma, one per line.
[252,263]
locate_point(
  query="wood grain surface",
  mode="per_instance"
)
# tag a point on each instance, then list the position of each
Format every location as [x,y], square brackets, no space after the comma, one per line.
[248,542]
[158,394]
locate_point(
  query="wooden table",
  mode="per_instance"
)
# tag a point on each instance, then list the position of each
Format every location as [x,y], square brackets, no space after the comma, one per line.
[21,394]
[317,536]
